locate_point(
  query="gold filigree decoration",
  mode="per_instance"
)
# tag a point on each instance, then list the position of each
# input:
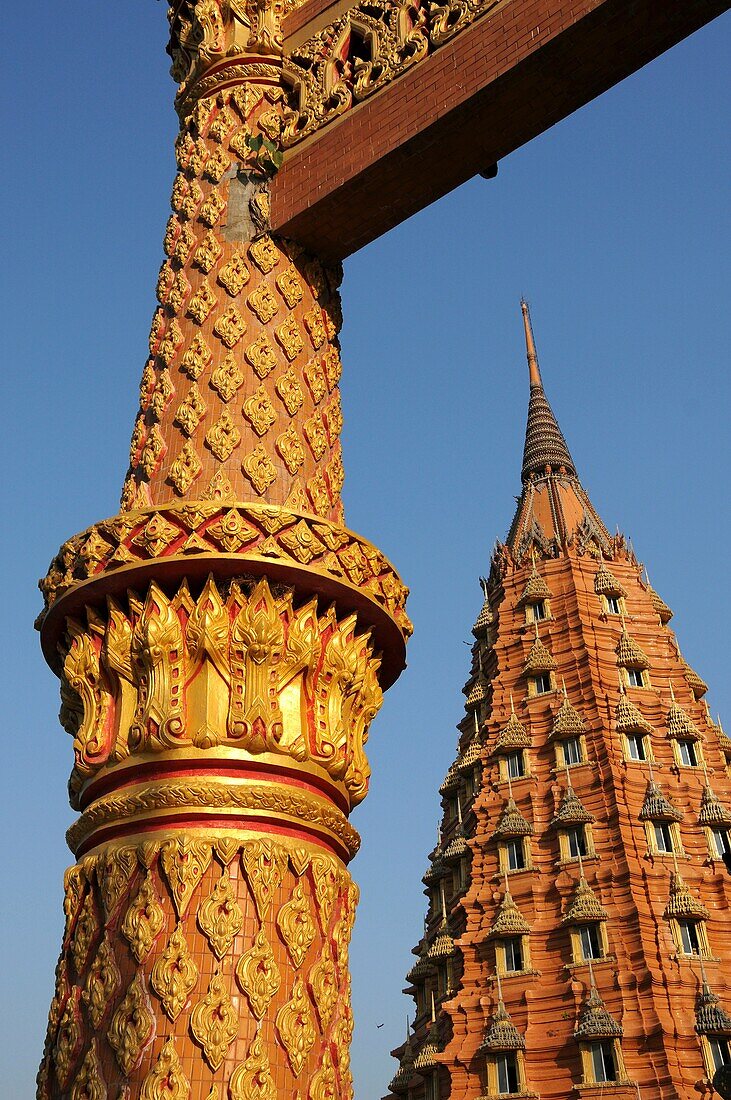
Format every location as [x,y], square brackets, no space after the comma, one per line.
[264,864]
[333,417]
[214,1022]
[290,337]
[162,393]
[324,985]
[296,925]
[69,1038]
[191,201]
[263,303]
[259,469]
[315,327]
[133,1026]
[261,355]
[102,984]
[191,410]
[224,121]
[265,254]
[197,357]
[185,469]
[212,209]
[86,932]
[157,652]
[170,343]
[259,411]
[207,253]
[223,436]
[114,871]
[302,543]
[227,379]
[184,862]
[230,326]
[152,451]
[258,975]
[290,448]
[217,165]
[89,1083]
[333,367]
[174,975]
[317,490]
[290,286]
[234,275]
[335,473]
[155,535]
[201,304]
[296,1026]
[144,920]
[323,1085]
[232,531]
[166,1080]
[220,917]
[315,435]
[327,881]
[252,1079]
[290,391]
[315,378]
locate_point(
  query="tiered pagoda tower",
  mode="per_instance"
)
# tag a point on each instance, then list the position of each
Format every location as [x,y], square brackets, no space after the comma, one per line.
[222,643]
[577,937]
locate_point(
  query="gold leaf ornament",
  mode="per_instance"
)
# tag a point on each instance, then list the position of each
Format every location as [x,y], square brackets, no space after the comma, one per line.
[102,983]
[184,862]
[133,1026]
[87,930]
[166,1080]
[143,920]
[259,411]
[174,975]
[185,469]
[220,917]
[258,975]
[323,982]
[259,469]
[223,436]
[296,1026]
[296,925]
[264,864]
[113,874]
[69,1038]
[252,1080]
[214,1022]
[227,379]
[89,1083]
[323,1085]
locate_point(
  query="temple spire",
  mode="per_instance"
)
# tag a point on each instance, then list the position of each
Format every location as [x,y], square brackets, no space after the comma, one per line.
[545,447]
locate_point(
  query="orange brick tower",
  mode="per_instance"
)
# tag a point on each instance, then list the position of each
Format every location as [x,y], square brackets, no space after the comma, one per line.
[222,644]
[577,934]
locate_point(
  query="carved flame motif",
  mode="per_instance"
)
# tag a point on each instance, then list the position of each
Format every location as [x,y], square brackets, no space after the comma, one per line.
[143,920]
[89,1083]
[82,673]
[184,862]
[258,975]
[323,1085]
[220,917]
[323,982]
[264,864]
[174,975]
[214,1022]
[257,638]
[69,1038]
[252,1080]
[73,889]
[296,1027]
[102,983]
[296,925]
[133,1025]
[327,880]
[157,650]
[166,1080]
[87,930]
[114,871]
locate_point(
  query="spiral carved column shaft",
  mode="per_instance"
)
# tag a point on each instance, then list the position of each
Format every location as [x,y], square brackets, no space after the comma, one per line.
[222,644]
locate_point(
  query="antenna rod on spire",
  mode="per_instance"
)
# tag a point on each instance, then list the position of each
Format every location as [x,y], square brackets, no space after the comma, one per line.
[530,347]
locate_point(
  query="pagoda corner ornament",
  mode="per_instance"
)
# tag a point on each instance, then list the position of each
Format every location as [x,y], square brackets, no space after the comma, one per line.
[223,643]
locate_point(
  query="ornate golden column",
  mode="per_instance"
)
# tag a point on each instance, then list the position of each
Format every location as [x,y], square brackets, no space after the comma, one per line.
[222,644]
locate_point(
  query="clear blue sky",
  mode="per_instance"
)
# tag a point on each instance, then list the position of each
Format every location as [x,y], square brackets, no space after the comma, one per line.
[614,225]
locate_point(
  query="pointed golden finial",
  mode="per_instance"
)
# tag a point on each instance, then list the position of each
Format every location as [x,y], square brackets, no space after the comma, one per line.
[530,347]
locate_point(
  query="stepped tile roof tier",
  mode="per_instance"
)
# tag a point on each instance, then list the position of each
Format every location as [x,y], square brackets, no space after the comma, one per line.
[645,1001]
